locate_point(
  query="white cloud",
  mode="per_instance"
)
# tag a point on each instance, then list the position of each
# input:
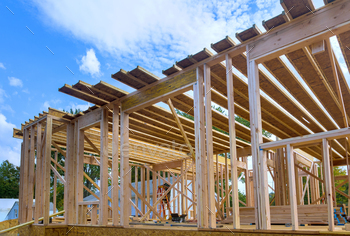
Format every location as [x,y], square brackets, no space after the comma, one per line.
[25,91]
[45,106]
[2,66]
[10,148]
[90,64]
[154,33]
[15,82]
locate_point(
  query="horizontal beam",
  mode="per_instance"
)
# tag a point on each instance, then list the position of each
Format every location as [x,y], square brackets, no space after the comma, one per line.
[158,91]
[304,31]
[307,139]
[91,119]
[167,165]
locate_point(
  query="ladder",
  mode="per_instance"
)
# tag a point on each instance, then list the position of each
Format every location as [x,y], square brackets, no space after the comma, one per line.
[165,202]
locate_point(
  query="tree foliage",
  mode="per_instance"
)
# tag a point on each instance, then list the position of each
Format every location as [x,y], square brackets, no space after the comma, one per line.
[9,180]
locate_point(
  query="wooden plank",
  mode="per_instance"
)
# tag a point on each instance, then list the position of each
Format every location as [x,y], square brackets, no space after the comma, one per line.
[158,91]
[58,175]
[209,145]
[328,181]
[46,175]
[292,188]
[31,174]
[115,164]
[103,207]
[178,122]
[262,206]
[307,139]
[38,176]
[202,210]
[70,166]
[79,177]
[309,173]
[167,165]
[26,145]
[337,83]
[125,171]
[233,147]
[310,28]
[91,119]
[55,184]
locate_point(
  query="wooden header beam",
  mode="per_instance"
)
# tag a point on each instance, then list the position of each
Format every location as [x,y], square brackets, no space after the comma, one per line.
[307,139]
[158,91]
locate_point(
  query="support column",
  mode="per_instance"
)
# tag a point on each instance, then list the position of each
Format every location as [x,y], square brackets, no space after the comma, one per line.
[261,194]
[125,173]
[21,184]
[47,170]
[103,217]
[201,184]
[24,209]
[69,188]
[292,188]
[38,176]
[79,171]
[328,183]
[115,165]
[209,139]
[31,174]
[233,148]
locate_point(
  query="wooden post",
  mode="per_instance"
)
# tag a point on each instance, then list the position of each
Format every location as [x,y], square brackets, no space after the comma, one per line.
[125,170]
[26,143]
[103,207]
[201,184]
[348,170]
[55,185]
[31,174]
[292,187]
[79,178]
[247,187]
[154,196]
[38,176]
[328,183]
[261,194]
[143,189]
[70,166]
[209,139]
[233,148]
[183,210]
[115,165]
[21,184]
[46,175]
[296,176]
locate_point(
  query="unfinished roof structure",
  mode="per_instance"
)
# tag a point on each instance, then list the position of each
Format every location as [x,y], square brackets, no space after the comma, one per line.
[286,81]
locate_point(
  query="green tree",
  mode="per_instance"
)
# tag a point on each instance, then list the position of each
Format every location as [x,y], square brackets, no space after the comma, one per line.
[9,180]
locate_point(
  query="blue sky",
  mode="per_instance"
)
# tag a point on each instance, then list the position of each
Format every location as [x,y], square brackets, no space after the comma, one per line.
[40,39]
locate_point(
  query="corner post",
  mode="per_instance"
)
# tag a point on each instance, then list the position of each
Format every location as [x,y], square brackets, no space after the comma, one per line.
[103,218]
[262,206]
[233,148]
[328,183]
[38,176]
[209,139]
[125,172]
[115,166]
[201,183]
[292,188]
[47,170]
[69,189]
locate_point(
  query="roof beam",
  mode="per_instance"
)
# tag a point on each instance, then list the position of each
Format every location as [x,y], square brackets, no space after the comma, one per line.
[306,30]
